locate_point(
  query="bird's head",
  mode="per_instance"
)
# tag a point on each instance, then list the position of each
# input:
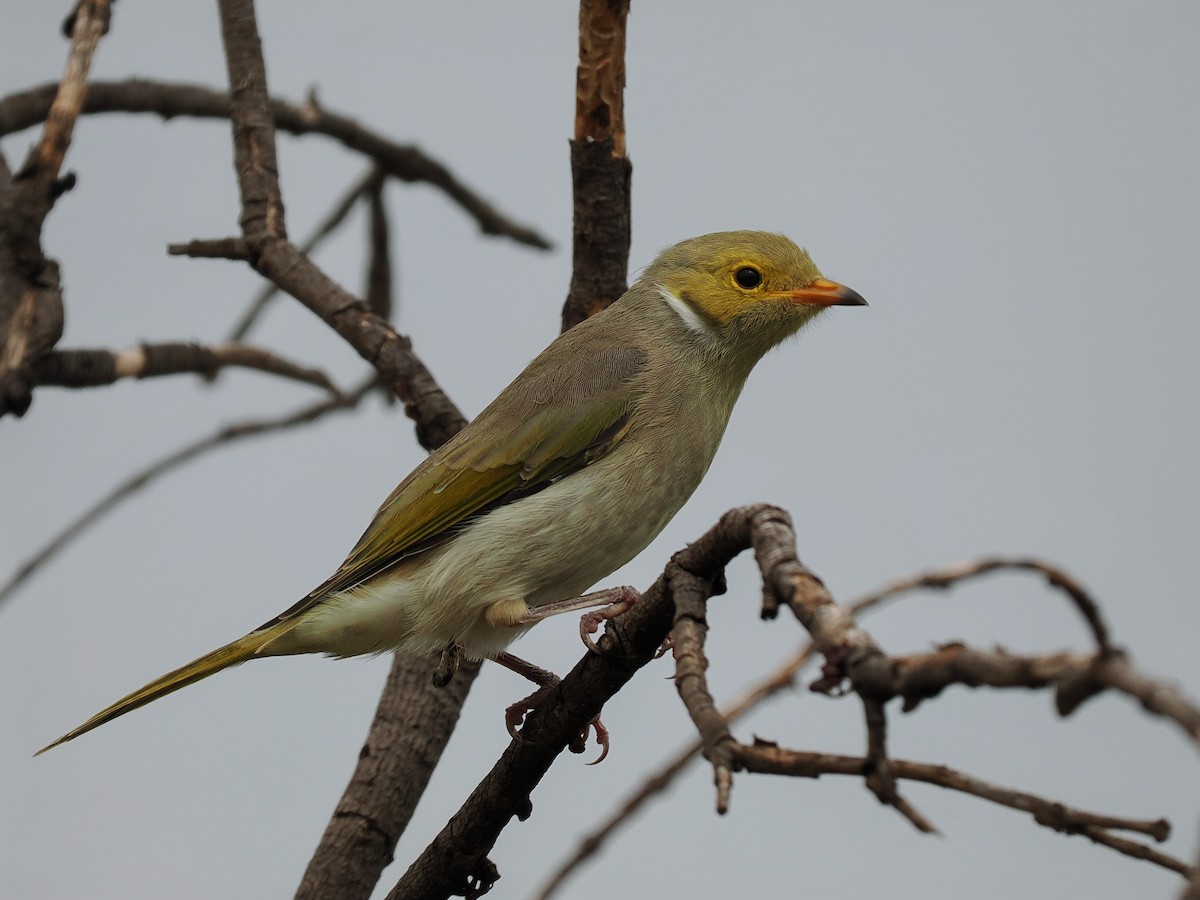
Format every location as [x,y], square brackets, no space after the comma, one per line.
[744,291]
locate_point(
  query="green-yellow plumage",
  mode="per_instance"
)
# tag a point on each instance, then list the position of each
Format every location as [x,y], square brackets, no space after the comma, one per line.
[568,474]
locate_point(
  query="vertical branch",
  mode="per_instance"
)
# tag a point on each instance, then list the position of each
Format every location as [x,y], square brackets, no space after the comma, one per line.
[85,26]
[455,861]
[600,170]
[378,291]
[323,229]
[393,766]
[31,310]
[253,124]
[361,837]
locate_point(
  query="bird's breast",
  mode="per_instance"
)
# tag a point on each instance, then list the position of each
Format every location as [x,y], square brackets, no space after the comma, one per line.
[556,543]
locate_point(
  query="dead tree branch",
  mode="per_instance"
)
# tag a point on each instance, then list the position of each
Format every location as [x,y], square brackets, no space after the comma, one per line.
[134,483]
[784,678]
[601,172]
[31,309]
[96,367]
[351,853]
[333,873]
[323,229]
[768,531]
[403,161]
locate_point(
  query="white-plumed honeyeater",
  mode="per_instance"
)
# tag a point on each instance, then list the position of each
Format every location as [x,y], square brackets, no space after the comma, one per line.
[565,477]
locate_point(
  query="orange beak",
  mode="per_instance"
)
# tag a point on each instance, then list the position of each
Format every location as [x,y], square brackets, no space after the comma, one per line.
[824,292]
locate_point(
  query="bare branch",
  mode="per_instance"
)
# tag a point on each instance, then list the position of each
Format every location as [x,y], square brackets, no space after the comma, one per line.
[945,577]
[1116,672]
[359,841]
[131,485]
[324,228]
[851,653]
[1192,891]
[768,758]
[600,171]
[457,855]
[273,256]
[94,368]
[31,312]
[403,161]
[877,772]
[783,678]
[234,248]
[383,792]
[691,592]
[379,264]
[87,23]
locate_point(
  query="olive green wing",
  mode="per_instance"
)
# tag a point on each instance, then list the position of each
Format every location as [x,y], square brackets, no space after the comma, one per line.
[554,420]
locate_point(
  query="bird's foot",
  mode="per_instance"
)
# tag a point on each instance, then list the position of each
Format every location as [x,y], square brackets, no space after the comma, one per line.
[618,600]
[614,600]
[514,715]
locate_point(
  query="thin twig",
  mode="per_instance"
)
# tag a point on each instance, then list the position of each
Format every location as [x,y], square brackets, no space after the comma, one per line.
[945,577]
[134,483]
[396,768]
[87,23]
[403,161]
[323,229]
[783,678]
[767,758]
[234,248]
[82,368]
[378,293]
[457,856]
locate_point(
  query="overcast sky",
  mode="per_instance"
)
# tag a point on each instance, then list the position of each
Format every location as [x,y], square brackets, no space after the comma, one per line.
[1013,186]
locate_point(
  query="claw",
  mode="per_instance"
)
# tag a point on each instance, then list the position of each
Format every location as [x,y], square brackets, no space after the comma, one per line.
[624,599]
[514,715]
[601,739]
[589,624]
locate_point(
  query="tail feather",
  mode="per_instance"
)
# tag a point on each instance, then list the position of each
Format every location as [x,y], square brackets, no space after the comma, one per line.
[232,654]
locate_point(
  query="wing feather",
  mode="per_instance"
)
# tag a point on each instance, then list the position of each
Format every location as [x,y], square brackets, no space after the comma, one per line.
[552,421]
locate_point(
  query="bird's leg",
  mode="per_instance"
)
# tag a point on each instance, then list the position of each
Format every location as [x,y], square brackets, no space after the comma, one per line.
[614,600]
[546,681]
[447,666]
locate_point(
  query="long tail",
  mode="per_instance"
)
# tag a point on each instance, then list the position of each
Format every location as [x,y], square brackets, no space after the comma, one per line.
[239,651]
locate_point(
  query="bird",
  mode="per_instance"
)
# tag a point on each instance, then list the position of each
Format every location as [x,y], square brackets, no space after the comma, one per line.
[567,475]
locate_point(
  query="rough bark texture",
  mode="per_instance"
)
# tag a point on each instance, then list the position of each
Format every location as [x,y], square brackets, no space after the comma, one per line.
[383,792]
[31,307]
[602,229]
[600,170]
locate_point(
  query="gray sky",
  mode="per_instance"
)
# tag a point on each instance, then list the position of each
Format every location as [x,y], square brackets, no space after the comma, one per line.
[1013,186]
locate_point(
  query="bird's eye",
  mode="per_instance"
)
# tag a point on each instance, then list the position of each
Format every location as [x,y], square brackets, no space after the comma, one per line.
[748,277]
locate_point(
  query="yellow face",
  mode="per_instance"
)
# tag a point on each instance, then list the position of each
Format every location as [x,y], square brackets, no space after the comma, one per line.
[729,275]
